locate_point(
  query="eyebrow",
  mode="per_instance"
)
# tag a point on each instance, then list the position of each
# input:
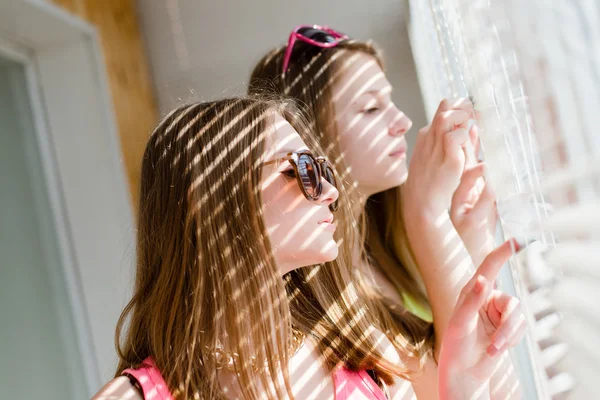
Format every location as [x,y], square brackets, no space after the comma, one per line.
[376,92]
[285,152]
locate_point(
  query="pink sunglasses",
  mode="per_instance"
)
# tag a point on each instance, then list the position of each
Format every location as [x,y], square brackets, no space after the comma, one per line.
[319,36]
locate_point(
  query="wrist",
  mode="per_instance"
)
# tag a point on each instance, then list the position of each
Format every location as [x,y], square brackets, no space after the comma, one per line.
[454,383]
[459,387]
[479,248]
[426,216]
[415,209]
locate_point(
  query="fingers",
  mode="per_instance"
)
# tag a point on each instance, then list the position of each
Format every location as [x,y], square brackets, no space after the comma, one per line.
[508,334]
[484,204]
[468,181]
[465,195]
[518,335]
[474,138]
[493,263]
[472,147]
[453,153]
[504,312]
[501,306]
[462,103]
[450,114]
[506,305]
[446,121]
[457,137]
[444,106]
[473,296]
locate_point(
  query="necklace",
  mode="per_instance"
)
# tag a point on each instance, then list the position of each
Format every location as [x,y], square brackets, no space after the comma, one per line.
[225,360]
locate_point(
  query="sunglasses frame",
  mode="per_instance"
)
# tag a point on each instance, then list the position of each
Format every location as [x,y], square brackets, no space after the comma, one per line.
[320,163]
[295,35]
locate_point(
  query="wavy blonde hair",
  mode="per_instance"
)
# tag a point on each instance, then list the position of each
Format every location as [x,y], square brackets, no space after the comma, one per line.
[309,80]
[205,266]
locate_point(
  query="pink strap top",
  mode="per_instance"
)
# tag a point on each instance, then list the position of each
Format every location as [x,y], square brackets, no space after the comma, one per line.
[355,385]
[148,376]
[348,384]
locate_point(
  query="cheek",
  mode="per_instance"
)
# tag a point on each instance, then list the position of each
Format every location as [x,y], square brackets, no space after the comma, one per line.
[284,206]
[363,141]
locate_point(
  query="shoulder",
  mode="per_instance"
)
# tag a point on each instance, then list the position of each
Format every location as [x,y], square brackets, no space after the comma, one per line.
[307,363]
[119,388]
[309,379]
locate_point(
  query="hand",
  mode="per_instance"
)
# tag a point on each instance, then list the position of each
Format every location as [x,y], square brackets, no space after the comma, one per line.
[438,159]
[484,325]
[473,210]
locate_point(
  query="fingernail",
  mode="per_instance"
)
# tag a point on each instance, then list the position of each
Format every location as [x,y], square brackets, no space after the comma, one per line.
[522,244]
[499,341]
[479,284]
[492,351]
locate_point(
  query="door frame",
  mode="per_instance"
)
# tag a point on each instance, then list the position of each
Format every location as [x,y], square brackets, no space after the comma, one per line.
[77,141]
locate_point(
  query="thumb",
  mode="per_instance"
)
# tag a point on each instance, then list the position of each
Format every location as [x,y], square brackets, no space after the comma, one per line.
[474,139]
[473,297]
[468,182]
[485,204]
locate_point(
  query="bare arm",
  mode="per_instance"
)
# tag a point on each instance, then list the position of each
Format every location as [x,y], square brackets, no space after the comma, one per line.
[119,389]
[473,212]
[444,264]
[435,172]
[504,383]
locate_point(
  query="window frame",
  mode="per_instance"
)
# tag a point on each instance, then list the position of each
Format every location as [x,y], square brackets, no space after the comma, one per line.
[63,60]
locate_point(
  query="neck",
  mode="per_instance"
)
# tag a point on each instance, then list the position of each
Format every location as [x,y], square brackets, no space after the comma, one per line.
[358,208]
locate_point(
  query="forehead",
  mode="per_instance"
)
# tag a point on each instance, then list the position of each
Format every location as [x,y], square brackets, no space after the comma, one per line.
[360,74]
[284,136]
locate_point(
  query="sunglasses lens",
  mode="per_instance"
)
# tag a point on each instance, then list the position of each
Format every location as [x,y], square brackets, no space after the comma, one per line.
[317,35]
[309,175]
[330,177]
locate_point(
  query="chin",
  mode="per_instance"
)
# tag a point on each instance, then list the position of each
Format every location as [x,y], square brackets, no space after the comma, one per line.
[396,180]
[380,181]
[396,176]
[329,252]
[389,183]
[401,178]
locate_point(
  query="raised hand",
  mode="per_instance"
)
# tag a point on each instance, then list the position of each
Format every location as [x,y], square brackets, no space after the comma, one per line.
[484,325]
[473,213]
[438,160]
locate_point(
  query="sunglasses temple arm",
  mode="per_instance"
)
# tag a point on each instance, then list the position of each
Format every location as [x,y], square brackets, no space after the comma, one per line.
[288,51]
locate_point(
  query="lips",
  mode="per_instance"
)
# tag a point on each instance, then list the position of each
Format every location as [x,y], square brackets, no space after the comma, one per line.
[328,220]
[399,152]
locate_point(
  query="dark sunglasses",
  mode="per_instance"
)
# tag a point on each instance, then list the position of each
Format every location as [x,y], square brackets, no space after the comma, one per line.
[319,36]
[308,171]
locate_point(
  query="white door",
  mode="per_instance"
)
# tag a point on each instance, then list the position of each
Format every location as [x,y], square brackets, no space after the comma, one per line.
[39,357]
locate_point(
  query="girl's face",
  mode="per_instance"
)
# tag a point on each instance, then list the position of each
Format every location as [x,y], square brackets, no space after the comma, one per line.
[370,127]
[300,231]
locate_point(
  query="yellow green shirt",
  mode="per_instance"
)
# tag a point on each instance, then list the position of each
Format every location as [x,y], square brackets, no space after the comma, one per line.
[417,309]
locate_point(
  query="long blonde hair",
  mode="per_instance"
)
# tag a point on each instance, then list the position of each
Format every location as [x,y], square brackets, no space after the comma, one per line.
[205,266]
[309,80]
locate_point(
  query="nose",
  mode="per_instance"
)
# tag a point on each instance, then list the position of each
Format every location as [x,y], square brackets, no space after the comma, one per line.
[329,194]
[400,124]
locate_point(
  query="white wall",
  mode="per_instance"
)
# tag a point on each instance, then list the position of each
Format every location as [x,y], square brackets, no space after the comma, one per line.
[210,47]
[78,155]
[37,324]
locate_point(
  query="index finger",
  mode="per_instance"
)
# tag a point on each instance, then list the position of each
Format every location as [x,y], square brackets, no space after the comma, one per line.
[491,266]
[462,104]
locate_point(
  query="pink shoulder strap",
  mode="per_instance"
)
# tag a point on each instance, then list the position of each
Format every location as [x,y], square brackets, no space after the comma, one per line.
[148,376]
[353,385]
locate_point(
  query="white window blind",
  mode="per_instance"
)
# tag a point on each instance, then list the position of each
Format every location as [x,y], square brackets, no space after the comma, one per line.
[533,69]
